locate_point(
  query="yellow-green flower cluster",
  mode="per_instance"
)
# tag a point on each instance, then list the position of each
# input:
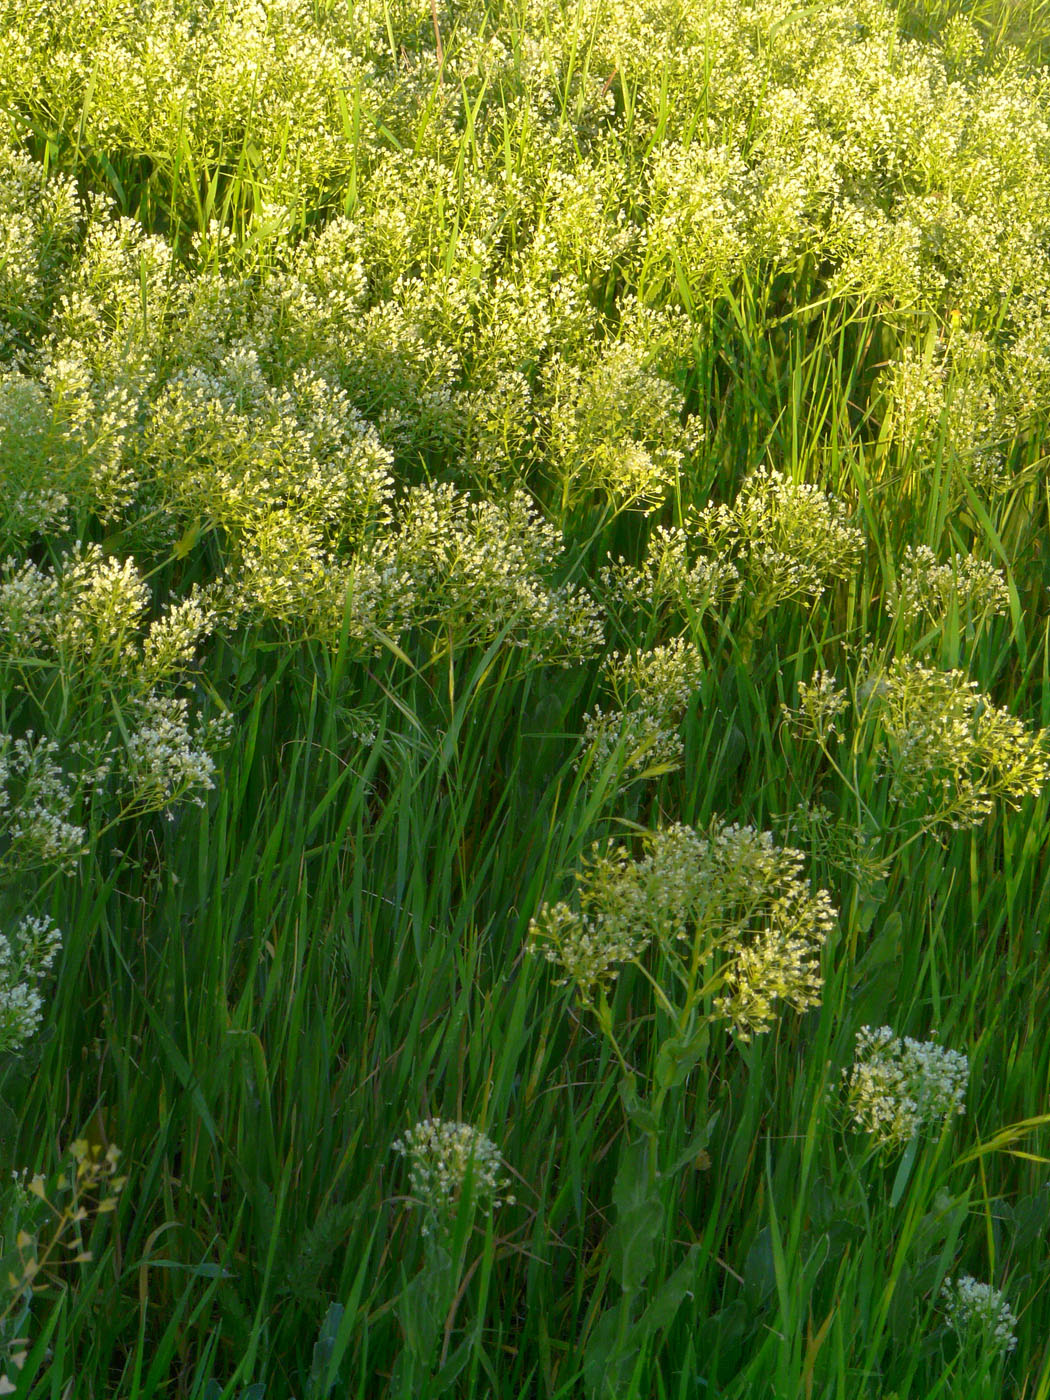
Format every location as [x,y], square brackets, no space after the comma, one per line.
[652,690]
[668,577]
[821,705]
[946,747]
[732,897]
[37,227]
[772,925]
[101,605]
[786,538]
[230,445]
[28,604]
[949,746]
[928,589]
[167,760]
[26,956]
[614,428]
[88,614]
[37,796]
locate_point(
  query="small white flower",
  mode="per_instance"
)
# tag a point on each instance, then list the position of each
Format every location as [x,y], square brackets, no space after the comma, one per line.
[165,760]
[26,957]
[979,1314]
[786,538]
[898,1088]
[441,1154]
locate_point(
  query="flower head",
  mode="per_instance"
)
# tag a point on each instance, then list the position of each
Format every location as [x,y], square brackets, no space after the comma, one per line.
[898,1088]
[26,956]
[979,1314]
[442,1156]
[786,538]
[730,897]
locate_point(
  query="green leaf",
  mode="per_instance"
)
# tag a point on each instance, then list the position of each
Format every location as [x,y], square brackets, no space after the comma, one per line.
[1031,1215]
[419,1309]
[187,540]
[870,904]
[696,1144]
[324,1347]
[885,946]
[639,1217]
[662,1310]
[637,1110]
[444,1379]
[608,1362]
[760,1275]
[678,1057]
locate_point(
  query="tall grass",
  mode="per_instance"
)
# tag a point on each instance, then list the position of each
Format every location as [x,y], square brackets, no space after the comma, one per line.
[273,282]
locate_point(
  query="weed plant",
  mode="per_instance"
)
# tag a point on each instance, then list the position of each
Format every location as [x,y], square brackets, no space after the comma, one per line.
[524,699]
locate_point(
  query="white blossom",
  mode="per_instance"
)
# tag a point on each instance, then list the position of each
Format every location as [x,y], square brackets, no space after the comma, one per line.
[898,1088]
[26,957]
[979,1314]
[440,1156]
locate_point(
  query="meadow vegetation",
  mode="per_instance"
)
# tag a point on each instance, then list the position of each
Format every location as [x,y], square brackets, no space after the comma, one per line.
[524,699]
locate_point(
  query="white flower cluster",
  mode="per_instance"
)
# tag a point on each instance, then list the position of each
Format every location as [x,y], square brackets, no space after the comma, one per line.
[652,689]
[38,212]
[786,538]
[36,799]
[668,578]
[170,645]
[459,569]
[615,428]
[101,605]
[165,759]
[731,893]
[930,589]
[26,956]
[955,403]
[89,613]
[28,603]
[441,1155]
[898,1088]
[231,446]
[979,1314]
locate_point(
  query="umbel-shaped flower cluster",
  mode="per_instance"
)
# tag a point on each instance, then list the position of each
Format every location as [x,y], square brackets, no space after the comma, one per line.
[26,956]
[950,744]
[928,589]
[441,1156]
[897,1089]
[979,1314]
[727,912]
[652,690]
[786,538]
[668,577]
[946,749]
[779,540]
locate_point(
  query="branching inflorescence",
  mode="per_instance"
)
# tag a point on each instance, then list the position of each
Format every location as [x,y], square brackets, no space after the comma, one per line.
[726,912]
